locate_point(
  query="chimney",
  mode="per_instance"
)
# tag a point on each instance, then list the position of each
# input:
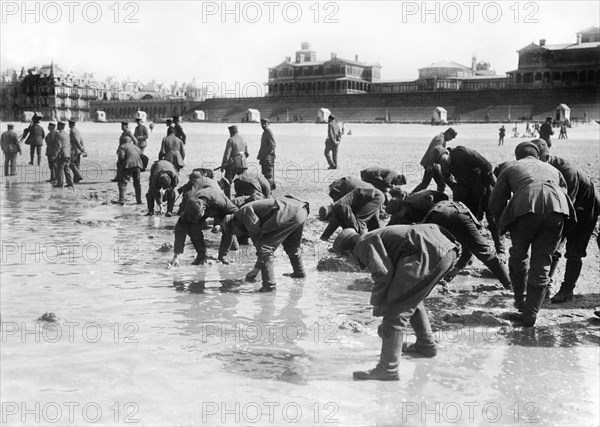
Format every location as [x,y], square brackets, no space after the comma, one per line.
[474,62]
[288,59]
[333,55]
[356,58]
[578,38]
[542,42]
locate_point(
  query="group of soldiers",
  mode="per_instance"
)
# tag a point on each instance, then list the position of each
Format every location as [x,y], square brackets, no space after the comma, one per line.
[543,201]
[63,150]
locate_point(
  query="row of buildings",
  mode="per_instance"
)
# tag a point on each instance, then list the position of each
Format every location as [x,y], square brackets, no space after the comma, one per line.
[60,95]
[540,65]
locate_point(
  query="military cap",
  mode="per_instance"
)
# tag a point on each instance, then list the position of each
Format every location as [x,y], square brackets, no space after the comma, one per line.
[331,117]
[543,149]
[525,149]
[9,126]
[548,119]
[36,118]
[345,240]
[264,121]
[61,124]
[72,121]
[452,132]
[233,128]
[125,123]
[138,119]
[168,121]
[52,124]
[324,212]
[176,117]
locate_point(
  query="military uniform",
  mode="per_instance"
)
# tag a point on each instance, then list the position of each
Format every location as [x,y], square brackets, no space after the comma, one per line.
[340,187]
[203,203]
[234,157]
[162,167]
[63,159]
[381,178]
[130,165]
[172,150]
[266,155]
[52,149]
[405,262]
[179,133]
[141,135]
[432,170]
[587,209]
[270,223]
[354,210]
[534,215]
[77,149]
[35,139]
[250,187]
[462,224]
[546,132]
[334,137]
[414,207]
[10,147]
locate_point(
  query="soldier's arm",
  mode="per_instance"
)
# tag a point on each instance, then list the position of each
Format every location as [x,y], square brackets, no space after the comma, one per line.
[373,254]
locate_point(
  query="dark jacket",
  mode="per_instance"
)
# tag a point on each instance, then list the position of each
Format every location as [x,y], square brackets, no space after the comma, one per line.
[427,162]
[10,142]
[399,257]
[334,133]
[383,179]
[64,143]
[546,132]
[35,135]
[413,208]
[77,145]
[267,145]
[235,153]
[141,134]
[340,187]
[217,204]
[159,168]
[252,184]
[172,150]
[179,133]
[52,144]
[469,168]
[129,156]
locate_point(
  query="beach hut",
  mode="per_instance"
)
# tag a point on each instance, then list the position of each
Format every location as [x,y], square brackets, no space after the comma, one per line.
[440,116]
[199,115]
[563,113]
[252,115]
[141,115]
[100,116]
[323,115]
[27,116]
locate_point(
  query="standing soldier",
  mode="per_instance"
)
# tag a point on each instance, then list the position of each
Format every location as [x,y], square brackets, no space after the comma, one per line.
[77,150]
[234,157]
[35,139]
[10,147]
[125,133]
[169,124]
[586,202]
[334,137]
[52,149]
[270,223]
[501,134]
[163,176]
[546,131]
[358,209]
[406,262]
[172,150]
[266,154]
[433,171]
[141,134]
[129,164]
[531,201]
[63,171]
[179,133]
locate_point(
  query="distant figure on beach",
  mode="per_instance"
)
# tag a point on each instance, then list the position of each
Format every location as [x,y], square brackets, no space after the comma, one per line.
[52,149]
[563,131]
[515,131]
[432,170]
[179,133]
[172,149]
[546,131]
[266,153]
[63,158]
[141,134]
[129,164]
[405,262]
[528,130]
[77,150]
[501,134]
[334,137]
[35,139]
[11,148]
[234,157]
[125,133]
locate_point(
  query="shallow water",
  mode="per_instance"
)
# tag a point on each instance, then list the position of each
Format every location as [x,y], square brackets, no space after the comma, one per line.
[137,341]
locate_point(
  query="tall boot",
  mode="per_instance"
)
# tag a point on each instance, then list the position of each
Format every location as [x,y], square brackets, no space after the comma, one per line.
[39,158]
[150,203]
[389,360]
[555,258]
[200,247]
[297,266]
[170,193]
[138,192]
[121,200]
[267,270]
[227,241]
[518,282]
[572,271]
[533,303]
[499,269]
[425,344]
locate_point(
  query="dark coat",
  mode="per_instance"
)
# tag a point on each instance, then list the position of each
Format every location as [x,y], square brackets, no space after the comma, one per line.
[10,142]
[427,162]
[77,145]
[383,179]
[172,150]
[236,152]
[158,168]
[340,187]
[129,156]
[35,135]
[267,145]
[52,144]
[141,134]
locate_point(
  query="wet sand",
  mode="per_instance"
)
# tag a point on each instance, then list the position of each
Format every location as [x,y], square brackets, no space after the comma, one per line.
[134,340]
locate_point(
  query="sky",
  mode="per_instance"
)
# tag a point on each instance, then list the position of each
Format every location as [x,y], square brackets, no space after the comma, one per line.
[231,45]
